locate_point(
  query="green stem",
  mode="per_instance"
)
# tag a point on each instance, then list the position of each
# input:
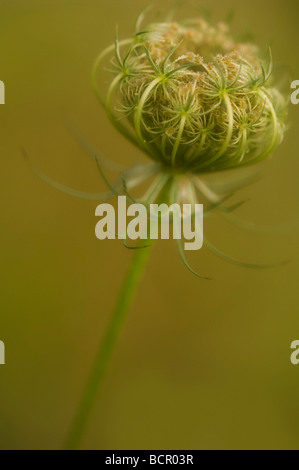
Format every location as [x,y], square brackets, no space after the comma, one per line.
[124,300]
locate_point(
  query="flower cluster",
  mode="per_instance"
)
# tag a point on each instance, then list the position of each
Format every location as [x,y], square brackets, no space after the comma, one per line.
[197,103]
[196,100]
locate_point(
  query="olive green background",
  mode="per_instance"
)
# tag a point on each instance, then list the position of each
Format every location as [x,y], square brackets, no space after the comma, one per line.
[199,365]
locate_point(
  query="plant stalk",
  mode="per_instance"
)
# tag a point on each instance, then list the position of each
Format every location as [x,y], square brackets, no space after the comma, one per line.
[123,303]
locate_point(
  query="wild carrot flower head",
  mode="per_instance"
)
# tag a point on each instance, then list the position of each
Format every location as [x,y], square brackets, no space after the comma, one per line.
[196,102]
[195,99]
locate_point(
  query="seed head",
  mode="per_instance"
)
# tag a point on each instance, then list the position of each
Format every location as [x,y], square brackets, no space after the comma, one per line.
[196,100]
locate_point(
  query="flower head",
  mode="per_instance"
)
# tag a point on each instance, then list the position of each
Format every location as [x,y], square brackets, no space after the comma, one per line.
[196,101]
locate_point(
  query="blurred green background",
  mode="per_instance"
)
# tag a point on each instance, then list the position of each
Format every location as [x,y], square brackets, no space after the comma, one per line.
[199,365]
